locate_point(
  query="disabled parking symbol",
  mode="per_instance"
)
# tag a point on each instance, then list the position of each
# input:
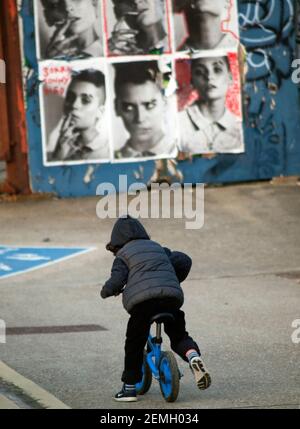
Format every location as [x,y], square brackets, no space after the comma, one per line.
[19,260]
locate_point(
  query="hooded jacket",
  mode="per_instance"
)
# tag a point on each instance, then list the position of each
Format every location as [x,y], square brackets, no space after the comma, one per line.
[126,229]
[144,266]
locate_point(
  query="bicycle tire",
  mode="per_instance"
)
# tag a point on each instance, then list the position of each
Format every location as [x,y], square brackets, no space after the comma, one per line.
[169,377]
[143,387]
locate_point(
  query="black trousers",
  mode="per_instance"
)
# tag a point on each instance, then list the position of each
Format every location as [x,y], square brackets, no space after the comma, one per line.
[138,330]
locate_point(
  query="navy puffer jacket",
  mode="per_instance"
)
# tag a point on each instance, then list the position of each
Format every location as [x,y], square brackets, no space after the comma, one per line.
[151,274]
[143,265]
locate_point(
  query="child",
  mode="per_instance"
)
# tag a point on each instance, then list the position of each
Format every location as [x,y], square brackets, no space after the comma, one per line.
[207,126]
[148,276]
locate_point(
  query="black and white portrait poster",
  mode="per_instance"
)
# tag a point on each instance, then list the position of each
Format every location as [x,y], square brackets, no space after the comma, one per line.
[73,99]
[137,27]
[205,24]
[144,124]
[209,103]
[138,80]
[68,28]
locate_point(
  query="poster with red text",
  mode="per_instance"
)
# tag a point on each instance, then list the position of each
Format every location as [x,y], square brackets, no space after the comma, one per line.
[73,99]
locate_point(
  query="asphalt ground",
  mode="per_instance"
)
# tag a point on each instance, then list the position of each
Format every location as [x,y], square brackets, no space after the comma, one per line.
[241,299]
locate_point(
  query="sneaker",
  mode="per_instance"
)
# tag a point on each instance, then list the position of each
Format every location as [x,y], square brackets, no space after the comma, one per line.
[126,395]
[202,377]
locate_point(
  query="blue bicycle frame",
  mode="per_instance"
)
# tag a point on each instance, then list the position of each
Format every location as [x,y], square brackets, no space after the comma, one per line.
[153,356]
[161,365]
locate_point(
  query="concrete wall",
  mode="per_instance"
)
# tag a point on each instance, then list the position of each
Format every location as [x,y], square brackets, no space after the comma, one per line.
[271,112]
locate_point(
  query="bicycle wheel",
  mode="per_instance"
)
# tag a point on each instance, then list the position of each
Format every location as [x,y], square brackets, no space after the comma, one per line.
[169,376]
[145,384]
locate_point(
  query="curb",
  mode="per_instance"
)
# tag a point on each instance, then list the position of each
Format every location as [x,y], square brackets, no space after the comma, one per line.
[30,389]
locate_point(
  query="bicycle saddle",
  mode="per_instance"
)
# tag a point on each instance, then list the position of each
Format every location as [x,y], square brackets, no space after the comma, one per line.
[162,318]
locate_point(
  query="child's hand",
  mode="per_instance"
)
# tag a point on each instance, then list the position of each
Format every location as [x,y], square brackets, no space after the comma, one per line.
[103,293]
[118,293]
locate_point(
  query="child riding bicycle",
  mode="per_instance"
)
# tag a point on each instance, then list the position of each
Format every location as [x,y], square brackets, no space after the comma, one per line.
[148,277]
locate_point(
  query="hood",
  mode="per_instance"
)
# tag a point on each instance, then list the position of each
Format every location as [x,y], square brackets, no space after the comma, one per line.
[126,229]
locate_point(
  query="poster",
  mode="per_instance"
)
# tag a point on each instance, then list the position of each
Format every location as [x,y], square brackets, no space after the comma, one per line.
[205,24]
[137,27]
[74,112]
[131,81]
[144,120]
[68,28]
[209,103]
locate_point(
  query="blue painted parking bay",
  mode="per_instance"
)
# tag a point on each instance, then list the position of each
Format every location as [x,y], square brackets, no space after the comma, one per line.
[18,260]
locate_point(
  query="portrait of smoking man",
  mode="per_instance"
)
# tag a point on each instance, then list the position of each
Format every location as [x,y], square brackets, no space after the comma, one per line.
[144,109]
[70,28]
[81,134]
[203,22]
[138,27]
[207,126]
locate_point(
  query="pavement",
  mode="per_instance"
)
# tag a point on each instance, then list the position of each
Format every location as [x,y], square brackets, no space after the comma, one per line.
[17,392]
[241,299]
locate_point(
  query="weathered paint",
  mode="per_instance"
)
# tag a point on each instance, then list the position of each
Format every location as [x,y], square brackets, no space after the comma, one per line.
[17,180]
[271,115]
[22,121]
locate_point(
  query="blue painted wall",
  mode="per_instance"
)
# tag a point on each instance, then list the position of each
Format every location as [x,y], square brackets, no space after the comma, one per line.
[271,113]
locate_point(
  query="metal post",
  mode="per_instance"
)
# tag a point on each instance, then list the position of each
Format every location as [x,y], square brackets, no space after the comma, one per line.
[15,149]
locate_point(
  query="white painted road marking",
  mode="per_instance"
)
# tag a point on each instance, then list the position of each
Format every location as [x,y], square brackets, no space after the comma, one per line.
[30,389]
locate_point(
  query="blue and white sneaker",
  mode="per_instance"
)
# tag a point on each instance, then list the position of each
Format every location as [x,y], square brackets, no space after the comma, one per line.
[202,376]
[126,395]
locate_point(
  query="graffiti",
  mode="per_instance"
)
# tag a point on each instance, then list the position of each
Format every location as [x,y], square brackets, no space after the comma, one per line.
[265,21]
[296,63]
[271,105]
[298,27]
[266,27]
